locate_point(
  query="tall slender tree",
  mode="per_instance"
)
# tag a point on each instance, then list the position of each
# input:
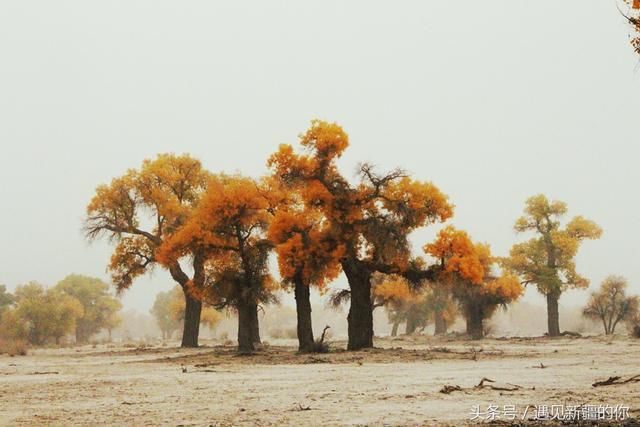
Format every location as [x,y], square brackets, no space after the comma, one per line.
[166,190]
[547,260]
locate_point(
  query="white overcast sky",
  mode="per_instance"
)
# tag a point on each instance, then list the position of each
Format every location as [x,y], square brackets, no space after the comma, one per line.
[493,101]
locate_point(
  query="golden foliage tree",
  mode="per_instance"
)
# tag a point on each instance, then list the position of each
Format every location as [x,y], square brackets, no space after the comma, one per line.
[98,305]
[164,314]
[42,314]
[368,222]
[610,304]
[633,18]
[548,259]
[138,211]
[468,268]
[229,229]
[402,303]
[307,256]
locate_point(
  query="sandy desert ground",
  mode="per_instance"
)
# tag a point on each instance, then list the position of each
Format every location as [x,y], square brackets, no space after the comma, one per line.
[398,383]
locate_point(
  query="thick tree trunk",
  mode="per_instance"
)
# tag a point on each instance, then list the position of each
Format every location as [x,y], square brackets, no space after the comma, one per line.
[81,335]
[440,323]
[553,317]
[246,317]
[475,322]
[360,317]
[192,311]
[412,325]
[394,330]
[303,310]
[255,324]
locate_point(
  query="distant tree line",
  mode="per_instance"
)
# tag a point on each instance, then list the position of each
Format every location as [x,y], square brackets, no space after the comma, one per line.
[78,305]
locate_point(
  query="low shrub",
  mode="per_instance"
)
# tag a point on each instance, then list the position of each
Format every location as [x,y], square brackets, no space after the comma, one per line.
[13,347]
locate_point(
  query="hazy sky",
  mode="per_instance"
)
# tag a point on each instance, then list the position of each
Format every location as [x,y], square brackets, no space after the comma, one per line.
[493,101]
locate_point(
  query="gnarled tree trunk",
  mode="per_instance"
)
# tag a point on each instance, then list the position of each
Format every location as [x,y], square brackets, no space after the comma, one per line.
[193,307]
[246,318]
[303,311]
[255,324]
[191,328]
[475,322]
[411,326]
[553,317]
[360,317]
[440,323]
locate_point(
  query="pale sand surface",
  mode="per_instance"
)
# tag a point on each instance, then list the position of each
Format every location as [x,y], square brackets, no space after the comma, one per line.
[398,383]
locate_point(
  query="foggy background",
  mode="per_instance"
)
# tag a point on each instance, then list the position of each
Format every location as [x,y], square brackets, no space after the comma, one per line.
[493,101]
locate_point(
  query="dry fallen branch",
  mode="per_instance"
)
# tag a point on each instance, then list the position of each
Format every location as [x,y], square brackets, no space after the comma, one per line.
[616,381]
[510,387]
[44,373]
[447,389]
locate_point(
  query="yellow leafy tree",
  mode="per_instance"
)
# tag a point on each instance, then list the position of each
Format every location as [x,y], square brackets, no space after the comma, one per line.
[368,222]
[633,17]
[547,260]
[469,270]
[307,256]
[166,190]
[229,229]
[43,314]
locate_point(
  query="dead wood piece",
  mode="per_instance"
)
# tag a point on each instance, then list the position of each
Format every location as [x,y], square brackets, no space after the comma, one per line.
[483,380]
[509,387]
[512,387]
[44,373]
[615,380]
[448,389]
[324,331]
